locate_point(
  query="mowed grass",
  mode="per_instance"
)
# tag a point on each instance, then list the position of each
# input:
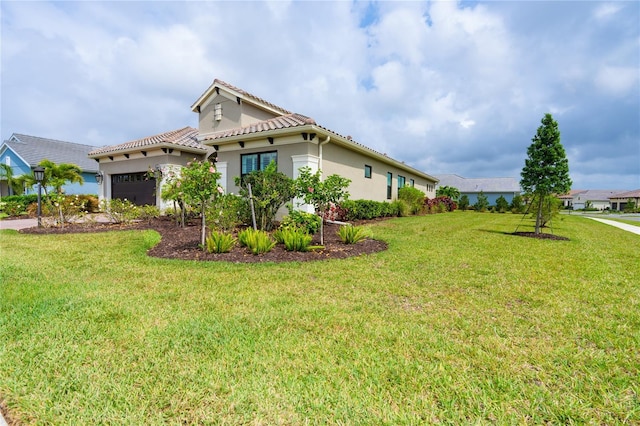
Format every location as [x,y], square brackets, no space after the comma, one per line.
[458,322]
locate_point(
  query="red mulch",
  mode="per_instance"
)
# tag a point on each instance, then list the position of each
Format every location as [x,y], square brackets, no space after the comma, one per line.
[182,243]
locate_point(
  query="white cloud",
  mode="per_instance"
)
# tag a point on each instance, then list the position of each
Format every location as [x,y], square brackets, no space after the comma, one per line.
[617,80]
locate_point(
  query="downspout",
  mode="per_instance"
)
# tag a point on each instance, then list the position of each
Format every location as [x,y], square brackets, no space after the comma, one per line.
[320,150]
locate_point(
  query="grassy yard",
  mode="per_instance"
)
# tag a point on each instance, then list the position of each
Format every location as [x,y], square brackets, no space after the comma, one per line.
[457,322]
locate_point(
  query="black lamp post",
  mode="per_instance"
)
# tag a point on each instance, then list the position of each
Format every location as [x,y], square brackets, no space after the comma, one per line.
[38,173]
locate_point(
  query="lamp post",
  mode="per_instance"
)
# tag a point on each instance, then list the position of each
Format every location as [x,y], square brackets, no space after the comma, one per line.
[38,173]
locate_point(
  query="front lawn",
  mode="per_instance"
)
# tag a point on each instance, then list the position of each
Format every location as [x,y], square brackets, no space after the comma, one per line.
[458,322]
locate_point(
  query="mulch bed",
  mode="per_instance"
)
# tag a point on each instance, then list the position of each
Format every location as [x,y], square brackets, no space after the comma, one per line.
[541,236]
[182,243]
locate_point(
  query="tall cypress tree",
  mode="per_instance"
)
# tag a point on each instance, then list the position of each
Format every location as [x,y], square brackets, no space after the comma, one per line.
[546,170]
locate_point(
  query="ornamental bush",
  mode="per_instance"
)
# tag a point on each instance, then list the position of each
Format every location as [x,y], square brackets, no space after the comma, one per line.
[294,239]
[352,234]
[219,242]
[298,219]
[413,197]
[256,241]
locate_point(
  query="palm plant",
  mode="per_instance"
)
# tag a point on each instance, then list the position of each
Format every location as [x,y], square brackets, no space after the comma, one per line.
[57,175]
[13,183]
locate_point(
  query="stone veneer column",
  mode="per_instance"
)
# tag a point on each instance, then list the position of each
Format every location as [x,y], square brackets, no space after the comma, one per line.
[300,161]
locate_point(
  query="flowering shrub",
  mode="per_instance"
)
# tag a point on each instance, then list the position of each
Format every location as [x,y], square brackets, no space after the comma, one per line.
[64,208]
[227,212]
[120,211]
[440,205]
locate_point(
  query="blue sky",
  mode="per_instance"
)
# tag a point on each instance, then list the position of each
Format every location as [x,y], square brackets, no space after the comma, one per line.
[448,87]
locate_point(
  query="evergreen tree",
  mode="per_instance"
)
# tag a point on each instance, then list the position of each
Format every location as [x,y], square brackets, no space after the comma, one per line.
[482,203]
[546,170]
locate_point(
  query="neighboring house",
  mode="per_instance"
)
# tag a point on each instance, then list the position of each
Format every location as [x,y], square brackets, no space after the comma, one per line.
[593,198]
[619,201]
[23,153]
[492,188]
[244,133]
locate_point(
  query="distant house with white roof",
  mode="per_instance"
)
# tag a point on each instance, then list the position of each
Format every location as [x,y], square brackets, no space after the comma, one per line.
[492,188]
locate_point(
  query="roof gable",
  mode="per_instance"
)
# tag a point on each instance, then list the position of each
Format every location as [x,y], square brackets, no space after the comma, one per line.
[218,85]
[33,150]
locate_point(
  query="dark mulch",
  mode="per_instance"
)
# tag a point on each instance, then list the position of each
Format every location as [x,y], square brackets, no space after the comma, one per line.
[541,236]
[182,243]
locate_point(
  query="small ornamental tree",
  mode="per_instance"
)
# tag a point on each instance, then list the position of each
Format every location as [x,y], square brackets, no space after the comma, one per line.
[199,186]
[482,203]
[321,194]
[502,205]
[546,170]
[270,190]
[171,191]
[464,202]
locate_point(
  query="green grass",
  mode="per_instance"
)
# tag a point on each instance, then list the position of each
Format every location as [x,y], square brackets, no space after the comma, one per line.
[457,322]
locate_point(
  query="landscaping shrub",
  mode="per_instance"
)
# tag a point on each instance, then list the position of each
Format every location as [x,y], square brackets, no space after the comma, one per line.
[298,219]
[270,190]
[352,234]
[256,241]
[368,209]
[294,239]
[517,204]
[119,211]
[227,212]
[502,205]
[16,205]
[463,204]
[147,212]
[219,242]
[413,197]
[439,205]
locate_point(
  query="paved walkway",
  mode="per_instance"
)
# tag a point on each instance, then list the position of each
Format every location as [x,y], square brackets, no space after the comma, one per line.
[625,226]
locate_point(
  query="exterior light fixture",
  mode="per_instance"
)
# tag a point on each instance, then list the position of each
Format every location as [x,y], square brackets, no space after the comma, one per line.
[99,177]
[38,174]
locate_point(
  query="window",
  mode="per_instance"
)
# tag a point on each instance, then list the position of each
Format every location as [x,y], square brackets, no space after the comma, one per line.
[389,183]
[412,183]
[367,171]
[257,161]
[401,181]
[7,160]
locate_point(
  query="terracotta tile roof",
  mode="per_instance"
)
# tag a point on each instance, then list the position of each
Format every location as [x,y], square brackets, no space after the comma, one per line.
[186,137]
[631,194]
[281,122]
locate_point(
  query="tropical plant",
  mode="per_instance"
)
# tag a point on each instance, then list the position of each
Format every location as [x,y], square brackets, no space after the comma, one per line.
[294,239]
[57,175]
[270,190]
[321,193]
[448,191]
[257,241]
[546,169]
[350,234]
[15,185]
[220,242]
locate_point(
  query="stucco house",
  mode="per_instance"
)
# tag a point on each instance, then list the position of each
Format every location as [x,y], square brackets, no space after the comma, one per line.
[23,153]
[492,188]
[242,133]
[594,198]
[619,201]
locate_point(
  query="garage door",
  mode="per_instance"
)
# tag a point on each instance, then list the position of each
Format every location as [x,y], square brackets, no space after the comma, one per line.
[135,187]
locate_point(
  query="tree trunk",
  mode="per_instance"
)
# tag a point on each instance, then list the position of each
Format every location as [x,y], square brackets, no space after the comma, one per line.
[204,227]
[539,214]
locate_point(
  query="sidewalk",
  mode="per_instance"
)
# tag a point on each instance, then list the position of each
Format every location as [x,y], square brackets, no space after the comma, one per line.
[625,226]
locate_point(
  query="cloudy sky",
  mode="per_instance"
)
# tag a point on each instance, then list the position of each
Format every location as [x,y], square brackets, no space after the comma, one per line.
[448,87]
